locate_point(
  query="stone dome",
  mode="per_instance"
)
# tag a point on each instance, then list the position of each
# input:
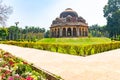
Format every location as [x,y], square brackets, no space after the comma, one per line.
[67,12]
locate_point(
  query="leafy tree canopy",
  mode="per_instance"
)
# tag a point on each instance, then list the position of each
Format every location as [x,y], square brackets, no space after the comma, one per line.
[112,14]
[3,32]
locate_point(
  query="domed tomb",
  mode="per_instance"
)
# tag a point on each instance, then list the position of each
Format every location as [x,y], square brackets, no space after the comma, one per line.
[69,24]
[67,12]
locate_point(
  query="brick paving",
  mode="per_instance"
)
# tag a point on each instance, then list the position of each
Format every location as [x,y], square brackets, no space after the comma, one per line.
[103,66]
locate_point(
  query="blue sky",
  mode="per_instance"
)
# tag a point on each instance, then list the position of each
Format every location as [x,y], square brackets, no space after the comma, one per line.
[42,12]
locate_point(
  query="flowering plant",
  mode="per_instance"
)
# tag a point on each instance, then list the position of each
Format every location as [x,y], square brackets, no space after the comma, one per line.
[12,68]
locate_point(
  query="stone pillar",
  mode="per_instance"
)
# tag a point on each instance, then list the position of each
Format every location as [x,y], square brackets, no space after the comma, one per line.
[66,32]
[77,29]
[84,31]
[54,33]
[81,32]
[60,32]
[57,32]
[72,31]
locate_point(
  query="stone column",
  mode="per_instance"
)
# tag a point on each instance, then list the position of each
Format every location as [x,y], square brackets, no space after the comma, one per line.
[55,32]
[78,34]
[81,32]
[66,32]
[84,31]
[72,31]
[60,32]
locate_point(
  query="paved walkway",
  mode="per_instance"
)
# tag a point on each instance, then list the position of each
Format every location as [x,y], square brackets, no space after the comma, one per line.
[103,66]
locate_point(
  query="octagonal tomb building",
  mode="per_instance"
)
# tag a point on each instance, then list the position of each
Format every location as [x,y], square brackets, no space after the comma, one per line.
[69,24]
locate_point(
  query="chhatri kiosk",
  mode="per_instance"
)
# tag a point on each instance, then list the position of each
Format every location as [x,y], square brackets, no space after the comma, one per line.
[69,24]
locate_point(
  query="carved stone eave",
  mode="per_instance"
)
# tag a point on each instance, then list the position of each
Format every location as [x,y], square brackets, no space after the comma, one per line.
[70,23]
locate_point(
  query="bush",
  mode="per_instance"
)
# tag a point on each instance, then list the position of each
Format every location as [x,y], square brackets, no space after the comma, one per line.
[65,48]
[55,47]
[81,50]
[77,49]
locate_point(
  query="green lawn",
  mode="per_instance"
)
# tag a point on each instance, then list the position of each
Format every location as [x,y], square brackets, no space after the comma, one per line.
[76,41]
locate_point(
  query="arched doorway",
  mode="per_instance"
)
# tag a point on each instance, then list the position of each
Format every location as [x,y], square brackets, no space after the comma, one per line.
[69,32]
[64,32]
[74,32]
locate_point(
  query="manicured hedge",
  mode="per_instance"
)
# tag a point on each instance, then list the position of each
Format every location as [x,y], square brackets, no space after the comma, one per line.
[81,50]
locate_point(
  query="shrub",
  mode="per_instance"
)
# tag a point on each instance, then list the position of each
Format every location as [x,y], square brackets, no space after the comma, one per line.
[45,46]
[77,49]
[55,47]
[65,48]
[82,50]
[87,50]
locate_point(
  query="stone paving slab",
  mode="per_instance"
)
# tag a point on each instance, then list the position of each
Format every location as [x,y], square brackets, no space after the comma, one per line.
[103,66]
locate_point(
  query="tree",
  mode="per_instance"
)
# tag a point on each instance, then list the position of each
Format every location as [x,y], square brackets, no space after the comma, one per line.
[112,14]
[98,31]
[28,33]
[3,33]
[4,12]
[13,32]
[47,34]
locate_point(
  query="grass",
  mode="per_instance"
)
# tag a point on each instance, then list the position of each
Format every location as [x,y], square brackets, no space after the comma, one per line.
[76,41]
